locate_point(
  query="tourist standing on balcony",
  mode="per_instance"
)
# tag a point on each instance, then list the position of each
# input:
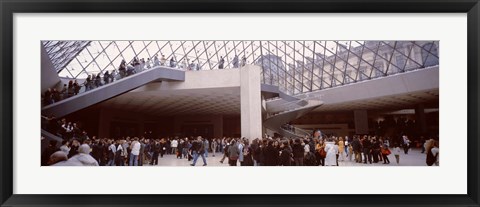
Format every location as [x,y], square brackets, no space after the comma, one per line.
[221,62]
[156,62]
[172,62]
[235,61]
[163,60]
[106,77]
[244,61]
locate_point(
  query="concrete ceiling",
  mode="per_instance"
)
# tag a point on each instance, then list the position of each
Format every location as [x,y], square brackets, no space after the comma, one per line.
[396,102]
[225,101]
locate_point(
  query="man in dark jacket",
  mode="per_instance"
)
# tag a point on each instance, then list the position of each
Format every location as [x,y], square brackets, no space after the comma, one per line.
[298,153]
[357,149]
[271,154]
[198,150]
[367,146]
[285,155]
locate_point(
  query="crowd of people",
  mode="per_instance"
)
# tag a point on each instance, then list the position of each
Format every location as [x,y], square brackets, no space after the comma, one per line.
[77,148]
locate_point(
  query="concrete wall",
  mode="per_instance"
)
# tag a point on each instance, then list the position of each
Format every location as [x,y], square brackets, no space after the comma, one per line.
[49,77]
[216,121]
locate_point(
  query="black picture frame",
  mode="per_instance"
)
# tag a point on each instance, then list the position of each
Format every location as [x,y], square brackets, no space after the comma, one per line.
[10,7]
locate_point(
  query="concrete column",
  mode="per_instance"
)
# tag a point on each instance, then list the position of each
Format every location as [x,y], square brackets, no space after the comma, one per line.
[361,121]
[250,102]
[420,121]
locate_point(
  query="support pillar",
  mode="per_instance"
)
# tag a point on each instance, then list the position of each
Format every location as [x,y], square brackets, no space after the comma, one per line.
[361,121]
[420,122]
[250,102]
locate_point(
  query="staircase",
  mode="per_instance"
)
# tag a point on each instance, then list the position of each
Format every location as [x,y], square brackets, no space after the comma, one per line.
[284,109]
[108,91]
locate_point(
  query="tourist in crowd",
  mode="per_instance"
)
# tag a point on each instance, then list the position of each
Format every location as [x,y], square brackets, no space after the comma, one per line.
[97,151]
[435,152]
[206,146]
[57,157]
[163,147]
[431,156]
[285,158]
[112,149]
[83,158]
[174,146]
[51,148]
[350,152]
[331,149]
[135,152]
[74,148]
[298,152]
[385,152]
[357,149]
[65,148]
[396,152]
[214,147]
[341,149]
[225,152]
[155,149]
[120,153]
[367,147]
[375,150]
[233,153]
[321,153]
[240,149]
[198,149]
[271,154]
[247,154]
[406,144]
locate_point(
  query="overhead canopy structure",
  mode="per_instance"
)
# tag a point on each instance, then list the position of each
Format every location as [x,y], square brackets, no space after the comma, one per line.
[295,66]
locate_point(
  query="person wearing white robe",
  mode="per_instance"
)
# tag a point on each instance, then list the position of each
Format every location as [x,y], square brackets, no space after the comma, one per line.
[332,150]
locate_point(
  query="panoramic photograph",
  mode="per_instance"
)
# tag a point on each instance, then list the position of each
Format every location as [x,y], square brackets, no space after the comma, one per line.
[221,103]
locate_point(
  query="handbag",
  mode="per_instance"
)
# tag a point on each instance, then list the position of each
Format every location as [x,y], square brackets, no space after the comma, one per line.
[322,152]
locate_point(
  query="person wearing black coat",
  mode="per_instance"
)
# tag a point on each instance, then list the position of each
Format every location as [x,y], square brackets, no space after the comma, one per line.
[285,155]
[271,154]
[298,153]
[357,149]
[367,147]
[155,148]
[247,156]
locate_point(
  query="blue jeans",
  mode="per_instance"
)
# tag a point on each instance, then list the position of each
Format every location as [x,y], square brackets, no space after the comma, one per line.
[195,157]
[111,162]
[133,160]
[206,152]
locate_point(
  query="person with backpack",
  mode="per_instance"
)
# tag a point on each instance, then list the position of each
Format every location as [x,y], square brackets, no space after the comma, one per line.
[321,153]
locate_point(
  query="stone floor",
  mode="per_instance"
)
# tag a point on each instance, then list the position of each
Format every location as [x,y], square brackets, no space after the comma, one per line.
[413,158]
